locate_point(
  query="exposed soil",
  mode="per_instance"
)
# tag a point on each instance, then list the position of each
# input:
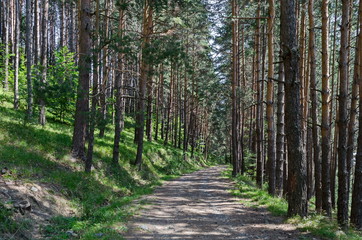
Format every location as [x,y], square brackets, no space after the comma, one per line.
[34,204]
[199,206]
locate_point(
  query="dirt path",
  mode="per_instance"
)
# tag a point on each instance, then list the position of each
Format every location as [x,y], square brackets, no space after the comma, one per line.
[199,206]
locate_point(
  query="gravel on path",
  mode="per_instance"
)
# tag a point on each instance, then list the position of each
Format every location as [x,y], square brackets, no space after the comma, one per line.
[199,206]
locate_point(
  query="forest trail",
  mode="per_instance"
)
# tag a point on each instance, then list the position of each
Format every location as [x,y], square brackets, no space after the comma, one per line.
[199,206]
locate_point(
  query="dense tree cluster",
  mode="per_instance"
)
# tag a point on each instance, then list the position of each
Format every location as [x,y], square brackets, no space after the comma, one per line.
[145,59]
[285,61]
[271,86]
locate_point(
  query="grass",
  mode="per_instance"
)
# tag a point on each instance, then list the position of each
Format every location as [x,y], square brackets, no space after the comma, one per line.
[316,224]
[41,154]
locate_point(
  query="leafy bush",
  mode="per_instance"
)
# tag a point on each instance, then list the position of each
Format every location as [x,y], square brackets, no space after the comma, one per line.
[59,91]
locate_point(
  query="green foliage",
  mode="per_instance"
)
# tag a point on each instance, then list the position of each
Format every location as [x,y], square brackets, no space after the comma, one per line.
[7,224]
[59,91]
[102,198]
[250,163]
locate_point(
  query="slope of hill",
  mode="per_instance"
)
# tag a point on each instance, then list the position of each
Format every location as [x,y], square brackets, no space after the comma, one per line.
[44,192]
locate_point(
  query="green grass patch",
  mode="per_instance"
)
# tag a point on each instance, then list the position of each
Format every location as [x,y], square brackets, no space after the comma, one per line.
[316,224]
[41,154]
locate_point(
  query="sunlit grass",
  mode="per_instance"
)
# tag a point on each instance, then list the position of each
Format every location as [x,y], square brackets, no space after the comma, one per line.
[41,154]
[316,224]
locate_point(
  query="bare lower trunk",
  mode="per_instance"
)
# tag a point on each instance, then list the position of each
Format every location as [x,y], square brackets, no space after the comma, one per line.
[343,175]
[280,134]
[44,62]
[314,107]
[82,105]
[356,210]
[326,162]
[145,71]
[297,174]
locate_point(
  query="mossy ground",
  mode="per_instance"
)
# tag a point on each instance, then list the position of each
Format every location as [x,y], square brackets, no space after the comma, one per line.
[41,154]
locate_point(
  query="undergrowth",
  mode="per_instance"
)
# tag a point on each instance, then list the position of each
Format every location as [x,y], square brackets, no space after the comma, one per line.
[41,154]
[316,224]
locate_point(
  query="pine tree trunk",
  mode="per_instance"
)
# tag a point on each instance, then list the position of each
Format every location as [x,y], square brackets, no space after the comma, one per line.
[314,107]
[145,71]
[119,114]
[106,77]
[234,113]
[353,113]
[270,101]
[28,49]
[94,97]
[356,209]
[44,62]
[326,162]
[343,179]
[6,43]
[37,44]
[62,23]
[259,112]
[169,107]
[17,54]
[280,134]
[297,172]
[82,104]
[149,106]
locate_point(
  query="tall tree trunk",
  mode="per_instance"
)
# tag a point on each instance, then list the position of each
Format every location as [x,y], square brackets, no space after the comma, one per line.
[62,23]
[314,107]
[6,43]
[149,106]
[280,134]
[259,114]
[71,27]
[44,62]
[82,105]
[28,49]
[145,71]
[119,90]
[94,97]
[105,77]
[37,44]
[169,107]
[297,172]
[343,179]
[270,101]
[17,54]
[356,210]
[234,79]
[353,112]
[326,162]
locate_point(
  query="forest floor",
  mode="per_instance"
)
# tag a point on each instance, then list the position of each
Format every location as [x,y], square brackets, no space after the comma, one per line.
[45,194]
[200,206]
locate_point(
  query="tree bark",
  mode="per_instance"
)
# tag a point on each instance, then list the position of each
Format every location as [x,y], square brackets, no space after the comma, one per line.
[119,114]
[343,198]
[28,50]
[82,104]
[314,107]
[234,79]
[145,71]
[356,209]
[280,134]
[326,162]
[297,174]
[259,112]
[17,54]
[44,62]
[270,101]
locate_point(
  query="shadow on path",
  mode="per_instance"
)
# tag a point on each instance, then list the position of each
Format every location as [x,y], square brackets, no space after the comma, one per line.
[199,206]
